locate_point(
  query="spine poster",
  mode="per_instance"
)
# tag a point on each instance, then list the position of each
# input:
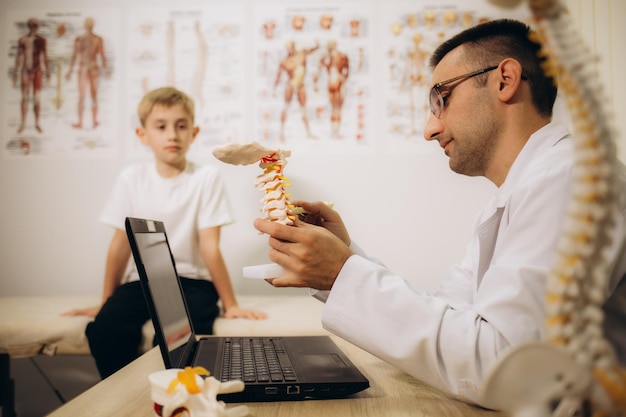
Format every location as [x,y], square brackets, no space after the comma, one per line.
[199,51]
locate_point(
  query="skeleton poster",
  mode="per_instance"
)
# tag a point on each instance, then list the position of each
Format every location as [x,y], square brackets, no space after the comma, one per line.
[61,89]
[411,32]
[306,76]
[312,76]
[199,51]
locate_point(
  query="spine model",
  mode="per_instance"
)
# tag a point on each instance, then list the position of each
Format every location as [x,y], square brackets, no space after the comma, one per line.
[575,371]
[576,284]
[276,205]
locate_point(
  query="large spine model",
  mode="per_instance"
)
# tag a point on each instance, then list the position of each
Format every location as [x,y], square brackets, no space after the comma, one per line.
[577,283]
[576,368]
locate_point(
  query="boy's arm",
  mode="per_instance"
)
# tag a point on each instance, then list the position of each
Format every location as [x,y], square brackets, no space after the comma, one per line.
[209,243]
[117,259]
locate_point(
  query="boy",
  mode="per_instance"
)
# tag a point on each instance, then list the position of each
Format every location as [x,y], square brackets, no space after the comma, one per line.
[191,201]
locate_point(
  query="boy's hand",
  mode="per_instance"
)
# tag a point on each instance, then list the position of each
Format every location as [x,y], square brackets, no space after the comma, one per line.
[236,312]
[89,312]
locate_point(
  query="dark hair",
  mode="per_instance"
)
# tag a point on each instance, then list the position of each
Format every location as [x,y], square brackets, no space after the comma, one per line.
[491,42]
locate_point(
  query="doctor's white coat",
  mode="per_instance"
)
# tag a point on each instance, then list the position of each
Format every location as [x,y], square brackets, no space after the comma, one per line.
[493,300]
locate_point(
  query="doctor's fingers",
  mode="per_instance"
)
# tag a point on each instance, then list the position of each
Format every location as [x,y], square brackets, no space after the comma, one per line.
[297,259]
[292,266]
[314,266]
[274,229]
[288,248]
[293,279]
[287,280]
[321,210]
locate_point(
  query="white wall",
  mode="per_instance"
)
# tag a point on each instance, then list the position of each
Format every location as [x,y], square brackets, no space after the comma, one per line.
[408,210]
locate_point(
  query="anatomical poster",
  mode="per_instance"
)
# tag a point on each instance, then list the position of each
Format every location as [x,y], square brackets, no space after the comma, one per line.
[199,50]
[411,31]
[312,76]
[61,85]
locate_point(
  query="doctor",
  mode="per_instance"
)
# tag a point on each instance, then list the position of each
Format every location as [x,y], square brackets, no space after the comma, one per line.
[491,114]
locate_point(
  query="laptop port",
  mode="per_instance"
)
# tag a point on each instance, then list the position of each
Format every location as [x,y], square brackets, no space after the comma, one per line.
[293,389]
[271,390]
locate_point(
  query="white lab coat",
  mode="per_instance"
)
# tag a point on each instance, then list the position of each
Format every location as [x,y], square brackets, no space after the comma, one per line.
[491,301]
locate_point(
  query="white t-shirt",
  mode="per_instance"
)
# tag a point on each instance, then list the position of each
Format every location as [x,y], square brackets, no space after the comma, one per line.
[187,203]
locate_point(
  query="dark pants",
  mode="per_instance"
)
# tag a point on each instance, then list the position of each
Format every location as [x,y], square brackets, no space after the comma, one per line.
[115,334]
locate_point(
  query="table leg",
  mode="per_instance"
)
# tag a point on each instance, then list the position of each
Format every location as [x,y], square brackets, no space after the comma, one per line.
[7,387]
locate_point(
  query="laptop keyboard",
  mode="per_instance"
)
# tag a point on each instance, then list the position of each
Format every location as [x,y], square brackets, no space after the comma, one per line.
[256,359]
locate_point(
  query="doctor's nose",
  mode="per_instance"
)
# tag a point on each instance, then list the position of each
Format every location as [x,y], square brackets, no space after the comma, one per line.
[433,127]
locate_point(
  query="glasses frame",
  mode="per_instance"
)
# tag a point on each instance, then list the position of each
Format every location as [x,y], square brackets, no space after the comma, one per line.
[436,100]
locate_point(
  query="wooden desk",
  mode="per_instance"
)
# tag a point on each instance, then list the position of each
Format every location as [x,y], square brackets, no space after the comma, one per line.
[392,393]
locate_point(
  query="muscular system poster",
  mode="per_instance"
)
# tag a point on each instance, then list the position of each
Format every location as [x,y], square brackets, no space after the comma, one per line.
[61,88]
[312,76]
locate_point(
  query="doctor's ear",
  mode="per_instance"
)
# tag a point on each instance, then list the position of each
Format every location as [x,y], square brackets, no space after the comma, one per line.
[510,77]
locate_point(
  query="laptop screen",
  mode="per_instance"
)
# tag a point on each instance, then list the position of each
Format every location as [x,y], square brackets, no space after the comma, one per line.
[166,294]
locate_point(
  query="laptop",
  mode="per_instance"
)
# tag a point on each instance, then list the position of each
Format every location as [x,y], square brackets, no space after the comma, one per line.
[287,368]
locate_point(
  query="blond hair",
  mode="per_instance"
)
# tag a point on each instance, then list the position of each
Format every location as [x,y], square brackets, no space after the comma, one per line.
[166,96]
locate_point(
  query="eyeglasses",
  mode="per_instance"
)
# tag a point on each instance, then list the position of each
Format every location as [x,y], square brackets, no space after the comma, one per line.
[437,101]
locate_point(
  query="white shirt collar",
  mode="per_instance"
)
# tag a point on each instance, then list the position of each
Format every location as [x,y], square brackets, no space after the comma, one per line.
[538,144]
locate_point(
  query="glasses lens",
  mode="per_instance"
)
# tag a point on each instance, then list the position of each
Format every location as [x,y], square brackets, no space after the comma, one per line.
[436,102]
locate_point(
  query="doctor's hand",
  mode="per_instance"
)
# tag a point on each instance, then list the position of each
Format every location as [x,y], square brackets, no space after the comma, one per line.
[312,256]
[321,214]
